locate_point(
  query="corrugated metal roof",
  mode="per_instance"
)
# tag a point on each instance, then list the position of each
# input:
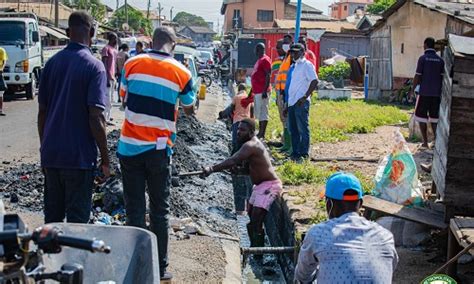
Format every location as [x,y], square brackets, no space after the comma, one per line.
[50,31]
[306,8]
[461,11]
[330,26]
[462,44]
[200,30]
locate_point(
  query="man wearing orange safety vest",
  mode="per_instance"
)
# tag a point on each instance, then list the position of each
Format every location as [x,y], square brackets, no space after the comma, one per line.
[280,84]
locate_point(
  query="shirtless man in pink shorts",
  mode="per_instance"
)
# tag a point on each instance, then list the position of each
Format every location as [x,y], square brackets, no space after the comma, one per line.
[267,186]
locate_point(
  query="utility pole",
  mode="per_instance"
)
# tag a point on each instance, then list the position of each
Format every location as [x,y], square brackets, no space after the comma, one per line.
[171,14]
[159,13]
[126,12]
[56,13]
[148,10]
[116,9]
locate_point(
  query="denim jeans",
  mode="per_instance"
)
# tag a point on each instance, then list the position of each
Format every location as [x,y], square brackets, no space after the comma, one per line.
[298,118]
[235,144]
[68,194]
[151,171]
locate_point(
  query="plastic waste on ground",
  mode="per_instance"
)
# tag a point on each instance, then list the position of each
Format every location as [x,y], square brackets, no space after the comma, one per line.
[397,176]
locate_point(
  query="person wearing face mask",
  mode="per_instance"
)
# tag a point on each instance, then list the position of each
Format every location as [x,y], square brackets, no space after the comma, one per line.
[153,84]
[301,86]
[347,248]
[280,85]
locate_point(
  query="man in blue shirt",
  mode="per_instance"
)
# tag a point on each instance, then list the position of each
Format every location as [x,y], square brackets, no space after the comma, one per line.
[348,248]
[429,75]
[71,124]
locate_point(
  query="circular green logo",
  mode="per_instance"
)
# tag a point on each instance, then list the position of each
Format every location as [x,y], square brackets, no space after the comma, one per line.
[438,279]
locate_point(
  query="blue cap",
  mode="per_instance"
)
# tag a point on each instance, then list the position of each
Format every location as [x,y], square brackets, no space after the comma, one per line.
[339,182]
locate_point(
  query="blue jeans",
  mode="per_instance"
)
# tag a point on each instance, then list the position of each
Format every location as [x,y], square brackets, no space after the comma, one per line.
[235,144]
[298,118]
[149,171]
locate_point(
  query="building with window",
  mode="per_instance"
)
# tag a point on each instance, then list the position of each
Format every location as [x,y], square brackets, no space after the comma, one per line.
[257,14]
[200,35]
[345,8]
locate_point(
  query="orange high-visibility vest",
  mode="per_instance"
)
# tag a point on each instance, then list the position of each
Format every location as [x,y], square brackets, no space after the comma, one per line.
[280,82]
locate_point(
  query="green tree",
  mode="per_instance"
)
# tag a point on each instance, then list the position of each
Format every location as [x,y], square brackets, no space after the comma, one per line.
[186,19]
[95,7]
[136,20]
[379,6]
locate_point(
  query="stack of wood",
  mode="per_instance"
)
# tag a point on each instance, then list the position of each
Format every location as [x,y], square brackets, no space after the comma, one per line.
[453,164]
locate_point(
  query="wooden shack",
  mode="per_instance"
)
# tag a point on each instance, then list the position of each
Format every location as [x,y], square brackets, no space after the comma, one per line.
[453,164]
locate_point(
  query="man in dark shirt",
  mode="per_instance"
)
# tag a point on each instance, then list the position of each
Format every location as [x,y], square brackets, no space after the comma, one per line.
[71,124]
[429,75]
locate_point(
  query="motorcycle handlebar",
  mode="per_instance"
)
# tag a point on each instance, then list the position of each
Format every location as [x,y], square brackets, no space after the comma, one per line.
[90,245]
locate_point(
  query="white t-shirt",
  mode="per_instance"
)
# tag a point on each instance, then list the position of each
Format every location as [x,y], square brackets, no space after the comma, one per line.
[303,74]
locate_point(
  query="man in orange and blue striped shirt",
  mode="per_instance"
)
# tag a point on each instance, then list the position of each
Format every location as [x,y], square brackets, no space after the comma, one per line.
[152,86]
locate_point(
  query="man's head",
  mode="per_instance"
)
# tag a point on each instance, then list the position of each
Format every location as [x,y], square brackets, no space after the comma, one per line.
[139,47]
[287,41]
[296,51]
[113,39]
[241,87]
[124,47]
[343,194]
[260,49]
[81,27]
[302,41]
[164,39]
[246,130]
[429,43]
[279,48]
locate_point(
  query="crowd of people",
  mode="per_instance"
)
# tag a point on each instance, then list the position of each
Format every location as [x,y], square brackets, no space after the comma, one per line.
[75,96]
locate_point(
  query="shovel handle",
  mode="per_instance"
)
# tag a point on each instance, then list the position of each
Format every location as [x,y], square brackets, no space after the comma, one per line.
[196,173]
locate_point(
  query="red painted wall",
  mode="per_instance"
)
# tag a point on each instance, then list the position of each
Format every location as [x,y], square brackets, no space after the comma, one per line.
[272,38]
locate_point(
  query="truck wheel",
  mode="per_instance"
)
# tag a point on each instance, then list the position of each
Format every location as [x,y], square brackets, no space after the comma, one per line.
[31,88]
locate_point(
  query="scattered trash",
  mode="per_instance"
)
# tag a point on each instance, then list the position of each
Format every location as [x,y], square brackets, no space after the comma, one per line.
[465,259]
[397,177]
[406,233]
[14,198]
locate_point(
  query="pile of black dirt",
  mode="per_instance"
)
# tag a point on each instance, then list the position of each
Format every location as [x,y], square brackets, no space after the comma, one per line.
[22,186]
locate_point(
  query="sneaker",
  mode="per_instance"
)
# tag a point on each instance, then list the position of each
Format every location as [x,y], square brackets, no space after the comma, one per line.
[166,276]
[2,113]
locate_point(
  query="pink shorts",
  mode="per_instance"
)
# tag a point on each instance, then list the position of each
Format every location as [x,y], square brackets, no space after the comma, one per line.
[265,193]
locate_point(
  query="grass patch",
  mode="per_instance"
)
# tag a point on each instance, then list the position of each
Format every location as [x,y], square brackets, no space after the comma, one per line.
[332,121]
[295,174]
[292,173]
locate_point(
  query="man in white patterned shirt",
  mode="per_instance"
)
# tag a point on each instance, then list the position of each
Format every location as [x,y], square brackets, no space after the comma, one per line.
[348,248]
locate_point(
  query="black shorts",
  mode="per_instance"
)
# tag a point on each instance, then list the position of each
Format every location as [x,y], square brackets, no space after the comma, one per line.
[427,109]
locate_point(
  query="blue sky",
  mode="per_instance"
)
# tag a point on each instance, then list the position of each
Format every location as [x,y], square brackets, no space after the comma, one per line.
[208,9]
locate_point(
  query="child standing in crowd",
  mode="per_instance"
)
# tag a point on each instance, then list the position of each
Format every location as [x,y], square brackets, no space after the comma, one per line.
[240,112]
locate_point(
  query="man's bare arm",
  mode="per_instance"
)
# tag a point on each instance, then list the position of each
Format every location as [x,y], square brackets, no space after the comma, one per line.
[41,121]
[242,155]
[98,129]
[416,81]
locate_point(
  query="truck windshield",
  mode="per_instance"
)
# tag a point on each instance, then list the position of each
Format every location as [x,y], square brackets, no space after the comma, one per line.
[12,32]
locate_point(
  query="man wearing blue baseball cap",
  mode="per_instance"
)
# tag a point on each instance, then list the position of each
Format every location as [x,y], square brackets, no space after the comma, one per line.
[347,248]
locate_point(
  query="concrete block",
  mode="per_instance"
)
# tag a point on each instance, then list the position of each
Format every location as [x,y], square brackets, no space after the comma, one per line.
[335,94]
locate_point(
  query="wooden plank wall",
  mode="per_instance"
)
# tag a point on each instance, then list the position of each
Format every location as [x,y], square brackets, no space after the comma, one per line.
[453,163]
[380,63]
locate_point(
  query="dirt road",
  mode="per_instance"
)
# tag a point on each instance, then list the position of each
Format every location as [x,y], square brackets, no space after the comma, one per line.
[200,258]
[18,132]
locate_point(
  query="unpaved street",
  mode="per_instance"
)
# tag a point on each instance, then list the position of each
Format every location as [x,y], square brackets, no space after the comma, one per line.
[209,256]
[18,133]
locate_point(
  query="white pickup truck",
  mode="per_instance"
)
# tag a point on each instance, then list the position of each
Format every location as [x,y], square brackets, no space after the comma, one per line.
[19,36]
